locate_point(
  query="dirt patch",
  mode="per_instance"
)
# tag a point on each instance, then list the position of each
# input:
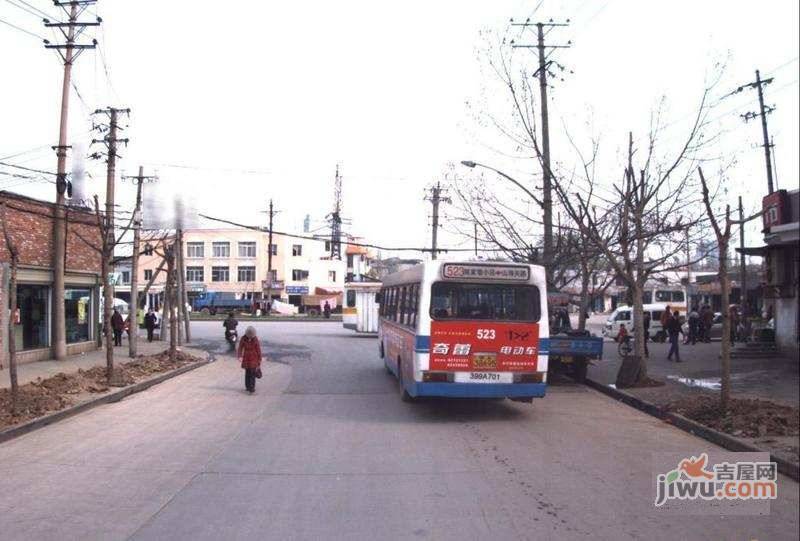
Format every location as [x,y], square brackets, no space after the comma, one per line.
[60,391]
[746,417]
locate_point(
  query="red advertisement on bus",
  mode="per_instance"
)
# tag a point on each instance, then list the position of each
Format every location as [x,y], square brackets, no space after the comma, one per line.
[471,346]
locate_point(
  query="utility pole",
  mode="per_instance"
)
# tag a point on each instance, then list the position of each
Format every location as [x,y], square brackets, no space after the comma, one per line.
[137,226]
[547,173]
[69,51]
[110,141]
[182,294]
[742,264]
[688,273]
[435,199]
[759,85]
[269,257]
[475,225]
[336,217]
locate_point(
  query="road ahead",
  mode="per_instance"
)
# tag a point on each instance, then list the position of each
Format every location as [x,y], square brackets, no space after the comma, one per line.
[326,449]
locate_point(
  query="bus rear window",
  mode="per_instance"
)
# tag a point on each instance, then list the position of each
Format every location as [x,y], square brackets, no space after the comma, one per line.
[498,302]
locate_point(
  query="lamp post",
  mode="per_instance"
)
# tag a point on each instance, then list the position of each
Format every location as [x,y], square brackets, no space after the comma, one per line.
[473,165]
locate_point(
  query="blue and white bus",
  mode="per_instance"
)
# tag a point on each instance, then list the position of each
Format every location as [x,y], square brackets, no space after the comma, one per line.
[466,329]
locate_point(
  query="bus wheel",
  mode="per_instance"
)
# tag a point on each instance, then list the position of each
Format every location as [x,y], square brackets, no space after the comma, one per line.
[404,396]
[205,310]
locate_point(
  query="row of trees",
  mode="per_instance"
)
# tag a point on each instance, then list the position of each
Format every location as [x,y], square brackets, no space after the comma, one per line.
[630,222]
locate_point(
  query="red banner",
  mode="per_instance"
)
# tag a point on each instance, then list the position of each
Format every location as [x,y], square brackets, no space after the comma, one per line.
[458,346]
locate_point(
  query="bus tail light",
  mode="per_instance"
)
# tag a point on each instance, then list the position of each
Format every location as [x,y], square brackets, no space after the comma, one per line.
[440,377]
[535,377]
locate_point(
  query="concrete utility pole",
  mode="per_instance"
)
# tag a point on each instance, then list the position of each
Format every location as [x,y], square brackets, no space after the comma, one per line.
[269,257]
[547,172]
[110,240]
[742,263]
[435,199]
[137,226]
[182,294]
[759,85]
[71,51]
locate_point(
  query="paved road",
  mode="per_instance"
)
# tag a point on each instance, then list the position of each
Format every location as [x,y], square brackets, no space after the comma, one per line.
[325,449]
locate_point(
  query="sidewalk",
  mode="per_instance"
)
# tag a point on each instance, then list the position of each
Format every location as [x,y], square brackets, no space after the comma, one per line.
[44,369]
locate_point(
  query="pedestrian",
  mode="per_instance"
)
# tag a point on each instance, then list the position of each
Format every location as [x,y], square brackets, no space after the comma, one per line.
[117,326]
[694,325]
[665,315]
[250,356]
[674,332]
[707,319]
[733,313]
[622,334]
[150,323]
[327,310]
[646,322]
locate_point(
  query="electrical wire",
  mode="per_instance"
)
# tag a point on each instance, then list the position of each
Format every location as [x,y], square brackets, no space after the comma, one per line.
[21,29]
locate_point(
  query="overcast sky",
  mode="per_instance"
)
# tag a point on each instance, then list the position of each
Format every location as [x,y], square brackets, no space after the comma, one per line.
[262,99]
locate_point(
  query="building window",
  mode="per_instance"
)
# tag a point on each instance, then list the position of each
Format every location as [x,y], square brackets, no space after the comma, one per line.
[126,277]
[349,261]
[195,250]
[351,298]
[298,274]
[78,314]
[246,274]
[274,249]
[32,331]
[194,274]
[220,274]
[247,249]
[297,250]
[148,274]
[220,249]
[327,246]
[332,276]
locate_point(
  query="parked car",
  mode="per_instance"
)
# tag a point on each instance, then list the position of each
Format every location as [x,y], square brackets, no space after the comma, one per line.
[716,327]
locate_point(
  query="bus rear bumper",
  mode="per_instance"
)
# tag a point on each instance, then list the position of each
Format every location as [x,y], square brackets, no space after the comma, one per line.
[478,390]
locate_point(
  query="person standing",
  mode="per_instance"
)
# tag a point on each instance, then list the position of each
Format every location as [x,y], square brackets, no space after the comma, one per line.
[150,323]
[117,326]
[250,357]
[674,332]
[707,319]
[327,310]
[733,312]
[646,322]
[694,325]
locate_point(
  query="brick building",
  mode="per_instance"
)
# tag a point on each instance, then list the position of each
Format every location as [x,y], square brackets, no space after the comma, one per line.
[30,226]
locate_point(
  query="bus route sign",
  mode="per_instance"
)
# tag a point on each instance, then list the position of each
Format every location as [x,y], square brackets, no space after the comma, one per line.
[504,273]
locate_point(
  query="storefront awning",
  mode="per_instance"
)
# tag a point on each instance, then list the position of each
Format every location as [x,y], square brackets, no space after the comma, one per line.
[760,251]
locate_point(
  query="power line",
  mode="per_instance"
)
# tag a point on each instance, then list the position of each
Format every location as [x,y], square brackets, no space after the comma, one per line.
[22,29]
[42,13]
[28,168]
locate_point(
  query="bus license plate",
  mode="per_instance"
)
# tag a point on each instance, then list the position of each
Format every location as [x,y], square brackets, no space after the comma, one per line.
[484,377]
[484,361]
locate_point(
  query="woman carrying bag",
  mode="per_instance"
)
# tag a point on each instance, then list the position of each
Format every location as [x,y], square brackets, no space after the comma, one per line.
[250,356]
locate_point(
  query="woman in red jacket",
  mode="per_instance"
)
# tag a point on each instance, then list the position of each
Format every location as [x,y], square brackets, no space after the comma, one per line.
[250,355]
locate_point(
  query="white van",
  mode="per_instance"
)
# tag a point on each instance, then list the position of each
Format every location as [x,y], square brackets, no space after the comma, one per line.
[624,314]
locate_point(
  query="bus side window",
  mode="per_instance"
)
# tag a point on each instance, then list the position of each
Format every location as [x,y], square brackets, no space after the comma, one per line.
[401,306]
[412,314]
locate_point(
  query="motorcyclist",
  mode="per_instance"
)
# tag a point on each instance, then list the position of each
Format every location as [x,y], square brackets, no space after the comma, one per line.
[230,324]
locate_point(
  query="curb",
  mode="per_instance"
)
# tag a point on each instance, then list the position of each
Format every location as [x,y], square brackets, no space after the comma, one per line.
[116,396]
[275,319]
[692,427]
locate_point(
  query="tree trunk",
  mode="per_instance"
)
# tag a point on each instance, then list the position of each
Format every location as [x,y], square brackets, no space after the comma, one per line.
[584,307]
[725,353]
[633,369]
[12,339]
[108,304]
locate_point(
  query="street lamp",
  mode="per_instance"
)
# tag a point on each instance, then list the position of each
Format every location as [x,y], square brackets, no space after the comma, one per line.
[473,165]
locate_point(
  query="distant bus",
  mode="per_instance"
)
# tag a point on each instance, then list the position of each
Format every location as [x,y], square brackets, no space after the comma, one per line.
[360,310]
[470,329]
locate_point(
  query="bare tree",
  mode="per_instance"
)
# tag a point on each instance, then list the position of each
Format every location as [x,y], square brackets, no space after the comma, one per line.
[722,232]
[12,303]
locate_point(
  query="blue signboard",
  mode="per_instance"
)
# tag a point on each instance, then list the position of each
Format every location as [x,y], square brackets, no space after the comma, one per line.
[297,290]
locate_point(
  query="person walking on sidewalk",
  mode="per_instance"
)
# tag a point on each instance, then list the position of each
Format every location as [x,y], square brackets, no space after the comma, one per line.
[646,322]
[694,326]
[117,325]
[150,323]
[250,356]
[707,321]
[674,332]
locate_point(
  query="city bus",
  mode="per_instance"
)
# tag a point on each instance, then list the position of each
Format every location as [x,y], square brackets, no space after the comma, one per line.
[469,330]
[360,311]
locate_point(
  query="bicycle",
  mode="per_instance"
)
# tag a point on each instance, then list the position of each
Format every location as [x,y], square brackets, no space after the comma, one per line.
[625,348]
